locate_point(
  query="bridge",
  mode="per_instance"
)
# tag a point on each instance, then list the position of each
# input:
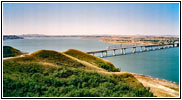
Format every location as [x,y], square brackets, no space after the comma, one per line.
[123,48]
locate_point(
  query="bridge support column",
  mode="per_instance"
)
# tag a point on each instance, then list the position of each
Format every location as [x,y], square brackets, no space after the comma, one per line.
[151,48]
[154,48]
[124,51]
[101,54]
[175,45]
[121,51]
[148,49]
[141,49]
[134,49]
[114,53]
[144,48]
[106,53]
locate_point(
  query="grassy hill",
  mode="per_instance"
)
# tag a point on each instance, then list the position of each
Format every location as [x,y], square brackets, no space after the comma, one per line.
[47,73]
[92,60]
[10,52]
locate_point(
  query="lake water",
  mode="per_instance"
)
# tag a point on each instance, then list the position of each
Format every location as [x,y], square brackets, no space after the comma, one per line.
[159,63]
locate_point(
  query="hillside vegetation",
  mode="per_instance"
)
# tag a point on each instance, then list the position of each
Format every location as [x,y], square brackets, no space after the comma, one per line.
[10,52]
[92,60]
[47,73]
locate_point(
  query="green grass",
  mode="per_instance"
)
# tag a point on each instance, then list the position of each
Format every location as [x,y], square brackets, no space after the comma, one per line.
[92,60]
[48,73]
[35,81]
[10,51]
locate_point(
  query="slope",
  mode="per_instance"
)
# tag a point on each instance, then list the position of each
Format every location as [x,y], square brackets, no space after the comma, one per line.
[47,73]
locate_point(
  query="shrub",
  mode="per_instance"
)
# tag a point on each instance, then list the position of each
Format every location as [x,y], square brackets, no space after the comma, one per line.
[10,51]
[32,79]
[107,67]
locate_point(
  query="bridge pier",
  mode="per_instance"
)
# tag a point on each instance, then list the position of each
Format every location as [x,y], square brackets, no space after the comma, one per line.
[124,51]
[151,48]
[148,49]
[114,53]
[176,45]
[134,49]
[106,53]
[141,49]
[102,54]
[121,51]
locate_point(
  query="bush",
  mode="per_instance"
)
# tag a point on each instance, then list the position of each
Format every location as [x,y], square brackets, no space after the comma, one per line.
[32,79]
[107,67]
[10,51]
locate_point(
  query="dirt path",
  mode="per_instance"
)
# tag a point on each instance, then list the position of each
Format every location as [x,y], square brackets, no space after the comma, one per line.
[23,55]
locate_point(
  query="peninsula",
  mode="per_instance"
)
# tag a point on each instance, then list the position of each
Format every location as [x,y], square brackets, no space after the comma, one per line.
[137,39]
[7,37]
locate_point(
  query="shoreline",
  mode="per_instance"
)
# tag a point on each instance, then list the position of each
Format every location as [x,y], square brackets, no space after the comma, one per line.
[156,78]
[126,43]
[159,87]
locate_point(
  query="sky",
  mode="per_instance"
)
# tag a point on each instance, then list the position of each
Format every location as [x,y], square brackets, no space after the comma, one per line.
[91,18]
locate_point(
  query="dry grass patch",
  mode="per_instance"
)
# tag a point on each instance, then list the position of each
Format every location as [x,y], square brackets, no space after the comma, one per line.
[92,60]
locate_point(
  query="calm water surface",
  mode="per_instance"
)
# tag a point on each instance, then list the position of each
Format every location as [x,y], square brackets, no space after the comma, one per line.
[160,63]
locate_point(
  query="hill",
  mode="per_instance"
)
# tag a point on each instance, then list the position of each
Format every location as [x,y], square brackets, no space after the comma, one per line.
[92,60]
[47,73]
[10,52]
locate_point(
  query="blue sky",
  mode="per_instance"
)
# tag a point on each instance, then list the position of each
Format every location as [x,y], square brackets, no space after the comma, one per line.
[91,18]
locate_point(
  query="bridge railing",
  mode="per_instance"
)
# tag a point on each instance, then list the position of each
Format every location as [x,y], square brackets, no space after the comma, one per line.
[121,46]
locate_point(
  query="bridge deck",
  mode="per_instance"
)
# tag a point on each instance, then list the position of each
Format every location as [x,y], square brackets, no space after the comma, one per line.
[133,46]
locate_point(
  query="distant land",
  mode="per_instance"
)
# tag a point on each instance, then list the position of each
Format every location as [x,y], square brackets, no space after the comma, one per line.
[138,39]
[115,39]
[7,37]
[94,35]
